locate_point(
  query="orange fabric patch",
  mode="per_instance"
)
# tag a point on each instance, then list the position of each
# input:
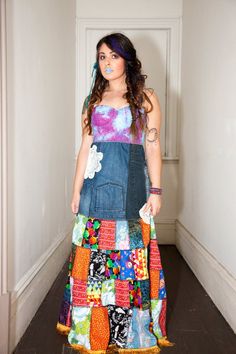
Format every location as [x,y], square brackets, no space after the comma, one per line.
[154,283]
[146,229]
[99,328]
[81,263]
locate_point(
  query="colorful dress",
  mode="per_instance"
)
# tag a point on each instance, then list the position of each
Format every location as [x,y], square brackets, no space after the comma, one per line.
[115,297]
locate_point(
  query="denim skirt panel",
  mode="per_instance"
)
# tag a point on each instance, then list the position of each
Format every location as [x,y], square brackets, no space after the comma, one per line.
[118,190]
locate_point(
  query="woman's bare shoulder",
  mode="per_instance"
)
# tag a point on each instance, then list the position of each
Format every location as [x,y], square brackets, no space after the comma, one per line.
[151,94]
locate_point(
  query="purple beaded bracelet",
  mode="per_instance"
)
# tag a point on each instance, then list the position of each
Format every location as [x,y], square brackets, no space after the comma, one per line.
[154,190]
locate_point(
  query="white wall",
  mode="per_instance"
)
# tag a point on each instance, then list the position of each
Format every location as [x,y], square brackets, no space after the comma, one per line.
[130,9]
[41,116]
[207,193]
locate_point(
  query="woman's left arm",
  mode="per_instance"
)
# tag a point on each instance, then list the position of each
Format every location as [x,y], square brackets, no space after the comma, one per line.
[153,153]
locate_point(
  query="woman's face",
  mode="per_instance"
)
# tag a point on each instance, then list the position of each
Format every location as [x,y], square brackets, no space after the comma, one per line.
[111,64]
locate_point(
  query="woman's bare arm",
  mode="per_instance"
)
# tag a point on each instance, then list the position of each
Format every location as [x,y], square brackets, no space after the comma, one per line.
[152,142]
[82,156]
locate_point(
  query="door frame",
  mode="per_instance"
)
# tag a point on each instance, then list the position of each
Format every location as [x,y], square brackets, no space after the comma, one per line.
[4,294]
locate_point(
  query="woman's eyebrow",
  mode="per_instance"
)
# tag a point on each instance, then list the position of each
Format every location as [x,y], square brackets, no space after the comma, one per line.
[104,53]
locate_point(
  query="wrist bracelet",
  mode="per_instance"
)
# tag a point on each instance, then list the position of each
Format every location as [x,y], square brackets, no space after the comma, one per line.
[154,190]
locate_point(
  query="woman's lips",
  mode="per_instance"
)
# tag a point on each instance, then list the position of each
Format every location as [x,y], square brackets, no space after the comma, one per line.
[108,70]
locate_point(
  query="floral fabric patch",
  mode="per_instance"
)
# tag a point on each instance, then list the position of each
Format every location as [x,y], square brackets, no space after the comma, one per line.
[108,292]
[135,234]
[112,264]
[97,265]
[90,235]
[122,235]
[80,330]
[139,335]
[135,294]
[153,234]
[156,306]
[162,288]
[126,265]
[78,230]
[119,324]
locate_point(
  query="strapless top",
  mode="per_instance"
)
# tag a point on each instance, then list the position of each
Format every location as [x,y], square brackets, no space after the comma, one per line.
[113,124]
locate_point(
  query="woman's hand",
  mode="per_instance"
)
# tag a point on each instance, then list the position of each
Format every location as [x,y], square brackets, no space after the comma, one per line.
[75,203]
[154,204]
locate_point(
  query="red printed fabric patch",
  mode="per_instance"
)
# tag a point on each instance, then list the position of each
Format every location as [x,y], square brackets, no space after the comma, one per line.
[107,235]
[122,293]
[155,260]
[162,318]
[79,293]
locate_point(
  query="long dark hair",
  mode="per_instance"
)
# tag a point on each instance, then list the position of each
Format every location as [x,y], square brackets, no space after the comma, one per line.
[135,81]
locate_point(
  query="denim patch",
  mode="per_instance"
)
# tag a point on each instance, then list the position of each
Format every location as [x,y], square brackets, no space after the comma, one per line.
[136,188]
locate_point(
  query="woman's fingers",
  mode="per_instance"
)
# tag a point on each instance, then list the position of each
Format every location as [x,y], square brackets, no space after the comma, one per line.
[74,207]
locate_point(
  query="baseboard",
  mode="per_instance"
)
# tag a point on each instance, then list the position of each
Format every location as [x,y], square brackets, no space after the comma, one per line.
[35,285]
[4,323]
[216,276]
[165,229]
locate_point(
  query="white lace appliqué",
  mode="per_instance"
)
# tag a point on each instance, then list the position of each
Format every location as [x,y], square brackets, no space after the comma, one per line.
[93,163]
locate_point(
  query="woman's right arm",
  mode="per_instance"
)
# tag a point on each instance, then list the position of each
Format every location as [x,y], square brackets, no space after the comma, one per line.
[81,163]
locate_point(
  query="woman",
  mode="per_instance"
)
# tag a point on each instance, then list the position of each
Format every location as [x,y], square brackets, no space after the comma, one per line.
[115,297]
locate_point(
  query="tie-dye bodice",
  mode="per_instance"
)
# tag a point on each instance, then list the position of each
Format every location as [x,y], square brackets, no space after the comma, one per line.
[113,124]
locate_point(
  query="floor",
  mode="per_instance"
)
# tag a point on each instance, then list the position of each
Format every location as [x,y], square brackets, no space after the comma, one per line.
[193,321]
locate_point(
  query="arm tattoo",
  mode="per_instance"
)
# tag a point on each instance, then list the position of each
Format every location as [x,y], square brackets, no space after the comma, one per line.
[152,135]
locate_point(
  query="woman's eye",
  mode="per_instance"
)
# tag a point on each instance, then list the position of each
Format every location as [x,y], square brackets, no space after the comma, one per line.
[116,56]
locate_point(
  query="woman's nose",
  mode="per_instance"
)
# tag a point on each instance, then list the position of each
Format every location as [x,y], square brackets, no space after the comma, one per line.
[107,61]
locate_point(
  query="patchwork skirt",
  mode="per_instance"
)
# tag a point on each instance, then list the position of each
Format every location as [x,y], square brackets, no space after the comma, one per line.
[115,296]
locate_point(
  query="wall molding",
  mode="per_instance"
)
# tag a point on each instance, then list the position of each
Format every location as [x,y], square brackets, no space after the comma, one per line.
[84,61]
[35,285]
[165,229]
[4,295]
[217,277]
